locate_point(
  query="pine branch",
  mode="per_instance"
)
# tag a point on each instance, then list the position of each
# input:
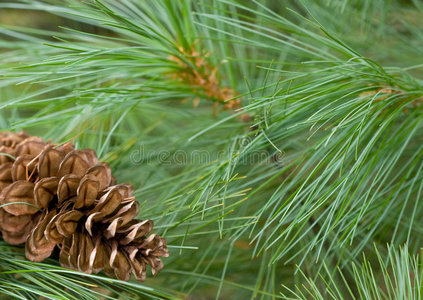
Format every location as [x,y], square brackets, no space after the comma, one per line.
[397,277]
[328,162]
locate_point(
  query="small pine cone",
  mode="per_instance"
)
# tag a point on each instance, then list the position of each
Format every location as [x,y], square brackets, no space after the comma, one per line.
[68,199]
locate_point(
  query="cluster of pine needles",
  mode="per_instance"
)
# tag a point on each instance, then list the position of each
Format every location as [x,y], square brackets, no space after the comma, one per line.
[276,145]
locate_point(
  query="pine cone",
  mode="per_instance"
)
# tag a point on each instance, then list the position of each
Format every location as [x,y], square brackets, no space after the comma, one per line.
[68,199]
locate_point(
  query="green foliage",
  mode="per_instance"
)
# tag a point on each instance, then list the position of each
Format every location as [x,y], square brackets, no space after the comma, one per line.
[328,164]
[400,278]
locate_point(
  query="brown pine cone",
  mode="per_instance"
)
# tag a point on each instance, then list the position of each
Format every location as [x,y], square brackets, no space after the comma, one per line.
[68,199]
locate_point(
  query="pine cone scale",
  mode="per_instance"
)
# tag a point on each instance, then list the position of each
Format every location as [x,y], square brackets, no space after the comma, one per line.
[19,191]
[38,247]
[5,175]
[49,162]
[87,191]
[45,190]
